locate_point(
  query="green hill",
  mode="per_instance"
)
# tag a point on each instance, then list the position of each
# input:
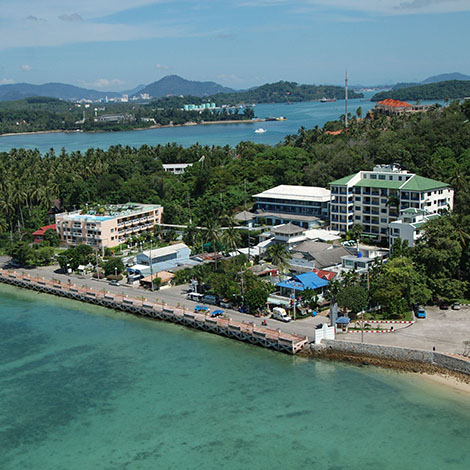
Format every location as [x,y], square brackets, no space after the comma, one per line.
[451,89]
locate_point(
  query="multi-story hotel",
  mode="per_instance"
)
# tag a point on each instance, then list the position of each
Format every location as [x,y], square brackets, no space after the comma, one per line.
[108,228]
[374,198]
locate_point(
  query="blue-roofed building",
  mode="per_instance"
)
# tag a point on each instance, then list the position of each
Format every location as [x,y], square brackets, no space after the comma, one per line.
[302,282]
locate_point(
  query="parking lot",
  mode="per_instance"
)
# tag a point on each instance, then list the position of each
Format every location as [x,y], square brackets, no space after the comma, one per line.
[446,330]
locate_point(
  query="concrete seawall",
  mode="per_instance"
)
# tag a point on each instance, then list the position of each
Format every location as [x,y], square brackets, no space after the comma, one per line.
[362,351]
[242,331]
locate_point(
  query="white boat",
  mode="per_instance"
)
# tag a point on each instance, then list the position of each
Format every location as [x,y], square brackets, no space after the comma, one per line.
[260,131]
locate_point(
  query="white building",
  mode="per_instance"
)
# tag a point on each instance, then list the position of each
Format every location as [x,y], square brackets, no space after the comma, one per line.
[176,168]
[306,206]
[374,198]
[409,225]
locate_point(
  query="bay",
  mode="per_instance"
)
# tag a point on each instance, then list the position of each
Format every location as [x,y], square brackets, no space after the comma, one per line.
[307,114]
[86,387]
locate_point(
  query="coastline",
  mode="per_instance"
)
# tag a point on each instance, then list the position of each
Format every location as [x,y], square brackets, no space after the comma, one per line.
[155,126]
[431,373]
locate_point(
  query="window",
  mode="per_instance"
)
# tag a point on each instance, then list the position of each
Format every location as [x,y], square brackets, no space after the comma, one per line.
[373,177]
[358,217]
[384,221]
[358,198]
[381,177]
[357,208]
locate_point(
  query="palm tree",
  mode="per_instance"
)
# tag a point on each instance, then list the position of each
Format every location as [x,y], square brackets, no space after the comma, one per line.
[231,238]
[280,257]
[212,235]
[393,201]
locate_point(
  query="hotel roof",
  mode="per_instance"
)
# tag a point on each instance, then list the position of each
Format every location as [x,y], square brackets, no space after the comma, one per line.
[296,193]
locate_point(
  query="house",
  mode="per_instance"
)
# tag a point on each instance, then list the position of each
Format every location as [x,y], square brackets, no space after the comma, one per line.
[107,226]
[288,234]
[409,226]
[176,168]
[161,259]
[301,282]
[306,206]
[390,106]
[310,255]
[245,218]
[374,199]
[165,277]
[38,235]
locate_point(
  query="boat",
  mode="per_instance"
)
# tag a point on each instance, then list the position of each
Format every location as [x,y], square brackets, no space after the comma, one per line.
[260,131]
[327,100]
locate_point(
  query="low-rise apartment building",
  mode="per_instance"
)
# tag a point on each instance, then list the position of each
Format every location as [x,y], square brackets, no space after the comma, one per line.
[108,227]
[409,226]
[374,198]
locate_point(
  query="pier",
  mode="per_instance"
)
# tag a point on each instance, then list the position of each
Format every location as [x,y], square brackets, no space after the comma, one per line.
[242,331]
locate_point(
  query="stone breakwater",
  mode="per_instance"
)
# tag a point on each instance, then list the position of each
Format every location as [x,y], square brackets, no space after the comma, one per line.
[393,357]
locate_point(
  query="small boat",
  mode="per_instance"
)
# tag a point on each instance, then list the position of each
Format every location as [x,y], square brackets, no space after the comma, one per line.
[260,131]
[327,100]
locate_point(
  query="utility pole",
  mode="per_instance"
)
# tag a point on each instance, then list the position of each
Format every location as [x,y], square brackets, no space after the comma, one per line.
[151,267]
[295,307]
[363,311]
[244,206]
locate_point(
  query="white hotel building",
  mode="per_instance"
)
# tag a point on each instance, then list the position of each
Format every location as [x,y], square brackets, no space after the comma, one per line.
[375,198]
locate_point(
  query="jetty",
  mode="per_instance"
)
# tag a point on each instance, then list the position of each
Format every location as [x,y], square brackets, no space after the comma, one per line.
[242,331]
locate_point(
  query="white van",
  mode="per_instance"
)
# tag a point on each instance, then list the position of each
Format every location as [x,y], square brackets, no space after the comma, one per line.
[280,314]
[194,296]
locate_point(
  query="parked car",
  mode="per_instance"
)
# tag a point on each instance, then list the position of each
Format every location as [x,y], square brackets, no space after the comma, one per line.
[225,303]
[420,313]
[444,306]
[280,314]
[114,283]
[209,299]
[217,313]
[456,306]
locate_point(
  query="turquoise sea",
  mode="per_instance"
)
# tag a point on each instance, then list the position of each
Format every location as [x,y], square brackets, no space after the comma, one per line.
[308,114]
[83,387]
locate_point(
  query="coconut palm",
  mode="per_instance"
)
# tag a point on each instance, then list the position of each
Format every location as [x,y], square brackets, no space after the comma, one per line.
[279,256]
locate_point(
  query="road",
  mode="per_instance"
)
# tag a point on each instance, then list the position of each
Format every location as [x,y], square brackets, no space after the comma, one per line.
[445,330]
[173,296]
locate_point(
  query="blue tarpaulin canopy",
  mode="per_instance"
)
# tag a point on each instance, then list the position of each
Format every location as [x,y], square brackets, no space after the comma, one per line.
[304,281]
[343,320]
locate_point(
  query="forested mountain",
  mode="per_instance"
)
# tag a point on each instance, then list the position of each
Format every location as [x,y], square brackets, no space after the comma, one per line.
[452,89]
[175,85]
[443,77]
[283,92]
[18,91]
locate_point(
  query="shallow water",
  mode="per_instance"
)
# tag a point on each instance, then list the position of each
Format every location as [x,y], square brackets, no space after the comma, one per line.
[85,387]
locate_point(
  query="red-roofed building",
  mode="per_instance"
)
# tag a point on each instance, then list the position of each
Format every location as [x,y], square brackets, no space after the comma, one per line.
[390,106]
[39,233]
[327,275]
[338,132]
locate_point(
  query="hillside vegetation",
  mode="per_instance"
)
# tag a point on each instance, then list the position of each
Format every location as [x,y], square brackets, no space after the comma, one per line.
[452,89]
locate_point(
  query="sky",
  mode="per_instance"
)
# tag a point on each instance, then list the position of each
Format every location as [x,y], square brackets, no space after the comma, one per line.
[114,45]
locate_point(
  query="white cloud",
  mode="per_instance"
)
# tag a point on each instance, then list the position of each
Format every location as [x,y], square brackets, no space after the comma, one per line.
[26,68]
[161,67]
[381,7]
[71,18]
[6,81]
[103,83]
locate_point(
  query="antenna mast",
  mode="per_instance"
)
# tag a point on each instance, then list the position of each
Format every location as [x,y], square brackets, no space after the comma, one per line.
[346,101]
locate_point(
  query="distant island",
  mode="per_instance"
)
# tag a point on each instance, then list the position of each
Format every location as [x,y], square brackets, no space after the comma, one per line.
[452,89]
[175,86]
